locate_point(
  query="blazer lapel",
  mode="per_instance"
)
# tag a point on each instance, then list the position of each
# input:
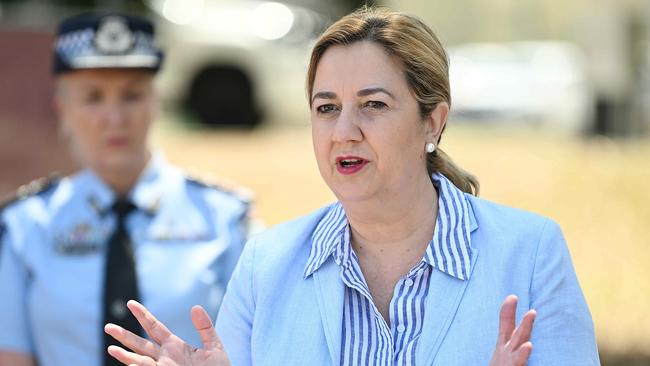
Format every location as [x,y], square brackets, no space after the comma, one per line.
[329,294]
[445,294]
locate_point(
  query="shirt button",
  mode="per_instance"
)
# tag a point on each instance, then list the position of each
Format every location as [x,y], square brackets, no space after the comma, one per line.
[401,328]
[118,309]
[420,271]
[408,282]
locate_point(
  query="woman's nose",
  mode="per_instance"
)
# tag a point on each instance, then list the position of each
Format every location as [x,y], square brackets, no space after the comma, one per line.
[347,127]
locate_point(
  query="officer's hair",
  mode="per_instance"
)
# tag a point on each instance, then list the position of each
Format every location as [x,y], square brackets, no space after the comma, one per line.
[425,63]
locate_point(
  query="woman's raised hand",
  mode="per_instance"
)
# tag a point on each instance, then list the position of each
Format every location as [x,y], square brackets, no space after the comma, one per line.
[513,344]
[165,348]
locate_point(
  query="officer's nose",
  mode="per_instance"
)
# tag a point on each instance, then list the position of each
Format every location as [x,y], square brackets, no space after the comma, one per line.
[346,127]
[115,114]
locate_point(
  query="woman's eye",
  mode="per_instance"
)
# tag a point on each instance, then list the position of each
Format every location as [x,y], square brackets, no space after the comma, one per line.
[375,104]
[326,108]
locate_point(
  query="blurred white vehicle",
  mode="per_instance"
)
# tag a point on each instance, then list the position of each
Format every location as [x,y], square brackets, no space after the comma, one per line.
[236,62]
[539,82]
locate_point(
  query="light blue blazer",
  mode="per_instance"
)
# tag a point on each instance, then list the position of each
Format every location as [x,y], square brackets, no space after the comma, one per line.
[273,315]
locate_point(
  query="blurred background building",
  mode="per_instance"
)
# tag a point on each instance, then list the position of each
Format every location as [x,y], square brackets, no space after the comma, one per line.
[550,101]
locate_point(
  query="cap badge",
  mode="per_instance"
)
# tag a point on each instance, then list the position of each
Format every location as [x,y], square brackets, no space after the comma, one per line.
[113,36]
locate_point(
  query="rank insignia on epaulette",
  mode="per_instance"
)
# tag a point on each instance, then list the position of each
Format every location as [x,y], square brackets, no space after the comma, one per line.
[83,239]
[210,180]
[32,188]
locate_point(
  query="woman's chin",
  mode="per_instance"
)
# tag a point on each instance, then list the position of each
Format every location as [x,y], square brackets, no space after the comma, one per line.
[353,194]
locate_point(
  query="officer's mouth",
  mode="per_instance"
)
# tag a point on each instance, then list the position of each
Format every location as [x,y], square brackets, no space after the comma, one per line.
[117,141]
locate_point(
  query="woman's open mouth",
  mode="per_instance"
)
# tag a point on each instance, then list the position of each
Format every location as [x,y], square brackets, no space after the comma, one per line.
[350,164]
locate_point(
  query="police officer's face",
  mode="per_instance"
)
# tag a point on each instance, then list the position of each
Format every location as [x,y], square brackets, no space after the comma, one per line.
[107,114]
[367,131]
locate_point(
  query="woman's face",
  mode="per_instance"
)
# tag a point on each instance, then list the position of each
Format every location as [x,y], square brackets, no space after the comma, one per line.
[367,130]
[107,114]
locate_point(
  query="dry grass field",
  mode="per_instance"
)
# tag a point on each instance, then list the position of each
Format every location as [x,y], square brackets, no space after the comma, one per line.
[597,189]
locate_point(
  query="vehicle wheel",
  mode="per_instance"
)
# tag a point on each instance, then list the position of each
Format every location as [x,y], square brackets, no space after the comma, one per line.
[223,96]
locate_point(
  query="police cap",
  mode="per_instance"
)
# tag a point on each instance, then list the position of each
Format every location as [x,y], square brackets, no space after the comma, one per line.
[95,40]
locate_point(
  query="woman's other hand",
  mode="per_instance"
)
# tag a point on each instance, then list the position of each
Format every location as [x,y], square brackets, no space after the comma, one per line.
[513,344]
[165,348]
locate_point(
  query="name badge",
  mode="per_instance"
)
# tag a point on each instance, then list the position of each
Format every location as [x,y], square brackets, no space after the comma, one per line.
[82,240]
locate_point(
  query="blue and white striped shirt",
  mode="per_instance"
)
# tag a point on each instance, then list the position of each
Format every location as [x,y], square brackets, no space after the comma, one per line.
[366,339]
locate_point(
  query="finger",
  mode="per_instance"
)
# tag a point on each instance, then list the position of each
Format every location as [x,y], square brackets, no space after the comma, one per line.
[523,331]
[522,354]
[507,319]
[132,341]
[203,325]
[129,358]
[154,328]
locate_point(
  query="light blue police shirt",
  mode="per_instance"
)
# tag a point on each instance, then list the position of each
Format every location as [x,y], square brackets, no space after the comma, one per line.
[187,238]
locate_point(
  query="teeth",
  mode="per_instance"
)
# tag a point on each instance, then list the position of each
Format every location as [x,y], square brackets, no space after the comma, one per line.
[346,162]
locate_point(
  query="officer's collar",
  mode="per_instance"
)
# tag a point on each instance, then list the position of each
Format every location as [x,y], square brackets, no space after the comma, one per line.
[149,190]
[147,193]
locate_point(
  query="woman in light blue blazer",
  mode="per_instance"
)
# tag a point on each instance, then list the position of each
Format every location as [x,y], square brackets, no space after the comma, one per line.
[408,267]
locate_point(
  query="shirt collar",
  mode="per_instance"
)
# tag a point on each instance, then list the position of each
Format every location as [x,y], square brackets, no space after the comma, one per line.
[326,237]
[152,184]
[449,250]
[146,193]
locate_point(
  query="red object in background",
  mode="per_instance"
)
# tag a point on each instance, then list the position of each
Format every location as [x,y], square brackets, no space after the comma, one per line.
[30,146]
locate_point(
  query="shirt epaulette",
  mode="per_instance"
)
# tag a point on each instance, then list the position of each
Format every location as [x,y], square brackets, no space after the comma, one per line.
[242,193]
[33,188]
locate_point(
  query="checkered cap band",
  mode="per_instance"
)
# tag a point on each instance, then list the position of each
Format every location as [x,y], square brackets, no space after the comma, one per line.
[78,49]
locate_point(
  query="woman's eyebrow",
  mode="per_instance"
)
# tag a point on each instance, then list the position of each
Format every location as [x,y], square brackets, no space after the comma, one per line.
[370,91]
[323,95]
[360,93]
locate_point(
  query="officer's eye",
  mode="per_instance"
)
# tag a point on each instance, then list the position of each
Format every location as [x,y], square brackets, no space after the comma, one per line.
[326,109]
[93,97]
[133,95]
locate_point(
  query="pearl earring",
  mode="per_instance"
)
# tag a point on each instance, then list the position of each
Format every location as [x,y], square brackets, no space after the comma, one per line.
[430,147]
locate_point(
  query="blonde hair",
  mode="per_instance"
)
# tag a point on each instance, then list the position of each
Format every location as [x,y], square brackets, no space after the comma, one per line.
[425,63]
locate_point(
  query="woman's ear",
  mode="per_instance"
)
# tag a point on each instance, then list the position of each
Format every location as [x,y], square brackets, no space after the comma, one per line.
[435,122]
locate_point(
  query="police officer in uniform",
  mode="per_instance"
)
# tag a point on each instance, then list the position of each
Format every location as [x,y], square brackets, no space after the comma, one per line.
[127,226]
